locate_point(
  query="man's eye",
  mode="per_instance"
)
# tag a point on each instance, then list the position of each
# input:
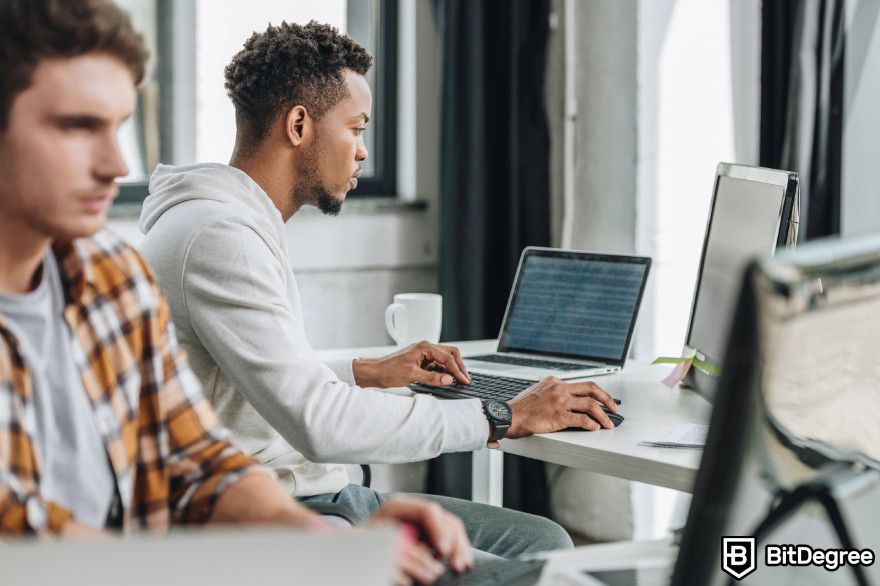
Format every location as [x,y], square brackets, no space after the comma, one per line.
[79,124]
[359,130]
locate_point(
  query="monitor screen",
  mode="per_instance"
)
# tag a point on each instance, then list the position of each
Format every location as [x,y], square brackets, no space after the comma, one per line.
[578,305]
[744,223]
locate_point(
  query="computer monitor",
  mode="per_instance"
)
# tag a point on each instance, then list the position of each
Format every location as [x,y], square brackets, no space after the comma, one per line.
[722,460]
[754,211]
[819,306]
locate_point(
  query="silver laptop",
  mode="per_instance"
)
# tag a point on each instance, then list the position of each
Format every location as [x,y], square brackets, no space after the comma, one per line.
[220,557]
[570,314]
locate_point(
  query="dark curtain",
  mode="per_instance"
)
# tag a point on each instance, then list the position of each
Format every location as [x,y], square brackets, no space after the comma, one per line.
[494,188]
[802,60]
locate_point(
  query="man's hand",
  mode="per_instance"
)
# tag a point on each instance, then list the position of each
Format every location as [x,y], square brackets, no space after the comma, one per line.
[552,405]
[431,364]
[443,539]
[74,530]
[437,536]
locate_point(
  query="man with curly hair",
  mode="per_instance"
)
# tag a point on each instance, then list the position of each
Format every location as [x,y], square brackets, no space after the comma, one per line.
[215,235]
[103,426]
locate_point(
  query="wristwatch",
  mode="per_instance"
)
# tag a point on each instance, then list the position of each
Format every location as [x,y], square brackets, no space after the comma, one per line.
[500,417]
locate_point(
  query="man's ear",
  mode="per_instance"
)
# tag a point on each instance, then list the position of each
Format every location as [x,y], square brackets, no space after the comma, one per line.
[299,125]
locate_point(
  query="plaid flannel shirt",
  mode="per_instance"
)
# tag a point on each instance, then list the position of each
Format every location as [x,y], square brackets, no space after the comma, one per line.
[170,456]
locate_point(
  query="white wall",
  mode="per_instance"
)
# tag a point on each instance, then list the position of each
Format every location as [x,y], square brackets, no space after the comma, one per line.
[348,268]
[606,128]
[860,206]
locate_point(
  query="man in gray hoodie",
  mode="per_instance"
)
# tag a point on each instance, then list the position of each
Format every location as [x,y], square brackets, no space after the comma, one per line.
[215,237]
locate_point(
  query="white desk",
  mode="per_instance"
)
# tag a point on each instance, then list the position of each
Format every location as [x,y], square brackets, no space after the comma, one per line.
[650,410]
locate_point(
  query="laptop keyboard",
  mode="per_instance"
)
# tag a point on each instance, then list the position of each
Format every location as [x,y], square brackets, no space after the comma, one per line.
[501,388]
[482,386]
[533,362]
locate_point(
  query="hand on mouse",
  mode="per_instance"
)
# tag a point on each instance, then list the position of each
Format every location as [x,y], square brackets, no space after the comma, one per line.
[552,405]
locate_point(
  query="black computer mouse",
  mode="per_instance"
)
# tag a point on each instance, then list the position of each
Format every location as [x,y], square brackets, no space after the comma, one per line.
[616,419]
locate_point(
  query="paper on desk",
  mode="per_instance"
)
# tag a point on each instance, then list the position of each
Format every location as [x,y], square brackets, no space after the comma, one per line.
[683,435]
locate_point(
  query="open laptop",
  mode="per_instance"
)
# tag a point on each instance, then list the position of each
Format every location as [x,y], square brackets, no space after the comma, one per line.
[570,314]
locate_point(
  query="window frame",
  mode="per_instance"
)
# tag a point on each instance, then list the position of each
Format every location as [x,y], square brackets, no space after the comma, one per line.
[383,183]
[384,154]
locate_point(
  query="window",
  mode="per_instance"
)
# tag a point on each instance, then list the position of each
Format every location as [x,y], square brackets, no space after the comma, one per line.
[183,114]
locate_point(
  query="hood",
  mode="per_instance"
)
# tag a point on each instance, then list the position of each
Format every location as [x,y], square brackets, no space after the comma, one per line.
[170,186]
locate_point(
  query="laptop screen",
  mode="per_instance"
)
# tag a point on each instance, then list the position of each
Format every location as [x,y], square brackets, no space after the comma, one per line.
[574,304]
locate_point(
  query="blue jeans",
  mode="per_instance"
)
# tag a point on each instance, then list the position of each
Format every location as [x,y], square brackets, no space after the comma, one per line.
[494,530]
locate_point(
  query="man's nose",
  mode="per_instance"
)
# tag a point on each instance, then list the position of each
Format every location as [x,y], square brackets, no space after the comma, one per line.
[111,163]
[361,154]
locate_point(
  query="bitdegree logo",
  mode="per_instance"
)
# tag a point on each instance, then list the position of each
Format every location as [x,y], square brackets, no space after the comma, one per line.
[804,555]
[738,556]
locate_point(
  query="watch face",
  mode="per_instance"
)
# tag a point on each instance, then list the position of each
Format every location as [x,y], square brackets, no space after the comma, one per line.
[498,410]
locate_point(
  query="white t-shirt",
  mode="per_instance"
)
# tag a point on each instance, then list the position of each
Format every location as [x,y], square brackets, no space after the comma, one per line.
[75,471]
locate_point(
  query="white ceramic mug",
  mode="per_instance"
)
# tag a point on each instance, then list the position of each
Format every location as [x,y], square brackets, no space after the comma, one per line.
[414,317]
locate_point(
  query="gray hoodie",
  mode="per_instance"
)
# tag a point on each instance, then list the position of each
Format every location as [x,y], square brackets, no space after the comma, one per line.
[216,242]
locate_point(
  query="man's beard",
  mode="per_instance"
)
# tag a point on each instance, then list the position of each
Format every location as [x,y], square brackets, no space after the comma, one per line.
[320,197]
[310,189]
[327,203]
[312,192]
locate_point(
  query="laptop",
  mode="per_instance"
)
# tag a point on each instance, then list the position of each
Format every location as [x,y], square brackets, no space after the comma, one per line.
[217,556]
[571,314]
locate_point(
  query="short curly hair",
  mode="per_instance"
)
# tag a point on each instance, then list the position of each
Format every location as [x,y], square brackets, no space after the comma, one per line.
[32,30]
[290,65]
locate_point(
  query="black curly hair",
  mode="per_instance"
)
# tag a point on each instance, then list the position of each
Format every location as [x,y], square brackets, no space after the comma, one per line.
[290,65]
